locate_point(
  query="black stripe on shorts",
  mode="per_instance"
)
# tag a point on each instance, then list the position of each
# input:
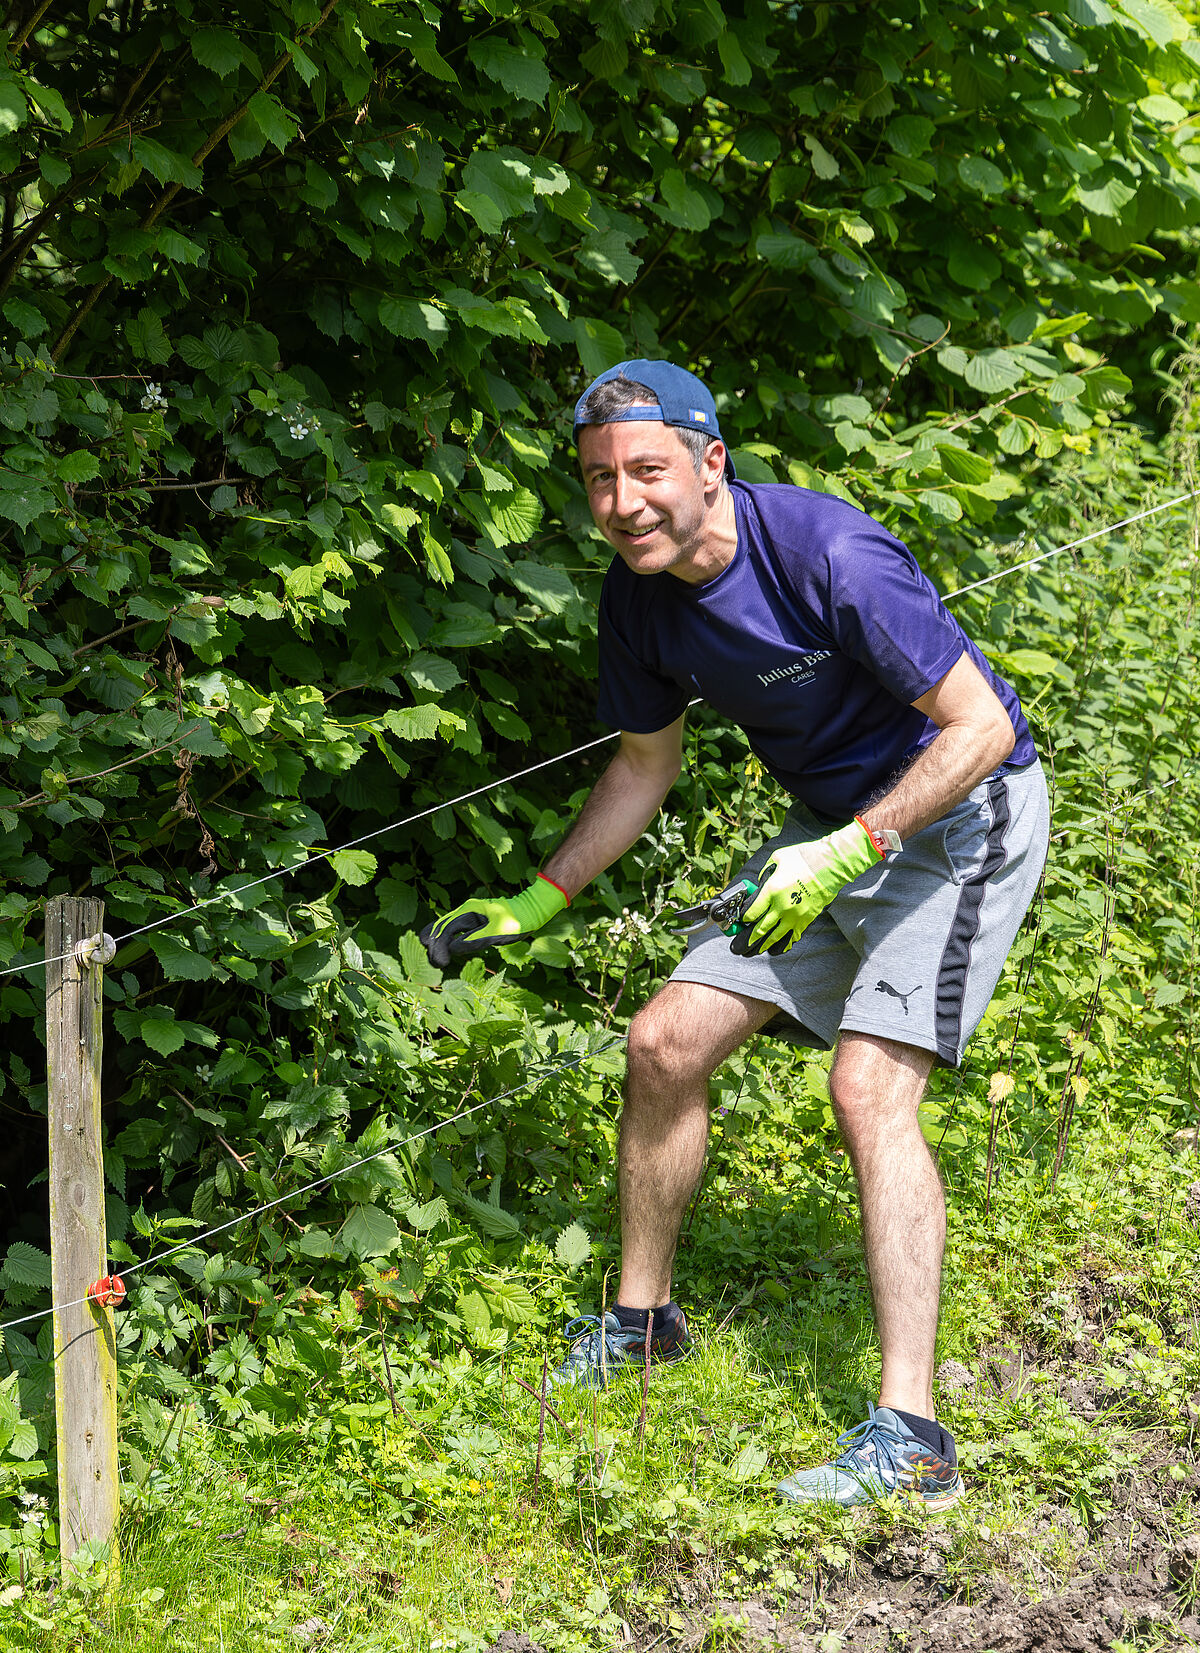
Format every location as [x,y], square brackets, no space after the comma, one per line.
[956,957]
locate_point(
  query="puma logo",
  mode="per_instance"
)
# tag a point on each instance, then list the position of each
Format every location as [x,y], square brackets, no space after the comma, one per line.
[886,987]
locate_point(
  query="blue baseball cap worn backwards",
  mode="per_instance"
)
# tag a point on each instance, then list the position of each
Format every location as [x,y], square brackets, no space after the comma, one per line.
[684,400]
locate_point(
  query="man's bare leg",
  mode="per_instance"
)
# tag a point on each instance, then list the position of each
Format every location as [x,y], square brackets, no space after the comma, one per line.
[876,1086]
[675,1043]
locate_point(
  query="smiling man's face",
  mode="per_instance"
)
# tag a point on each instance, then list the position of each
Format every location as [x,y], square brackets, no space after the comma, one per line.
[650,503]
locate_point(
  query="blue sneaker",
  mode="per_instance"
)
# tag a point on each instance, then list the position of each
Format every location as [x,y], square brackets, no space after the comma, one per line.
[880,1457]
[600,1346]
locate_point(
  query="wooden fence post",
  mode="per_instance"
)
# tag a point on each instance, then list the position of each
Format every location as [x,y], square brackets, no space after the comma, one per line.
[85,1355]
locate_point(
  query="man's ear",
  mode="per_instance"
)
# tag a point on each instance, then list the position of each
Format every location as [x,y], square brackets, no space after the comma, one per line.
[712,466]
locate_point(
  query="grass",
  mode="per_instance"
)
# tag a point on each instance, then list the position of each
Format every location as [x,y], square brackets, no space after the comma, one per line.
[444,1525]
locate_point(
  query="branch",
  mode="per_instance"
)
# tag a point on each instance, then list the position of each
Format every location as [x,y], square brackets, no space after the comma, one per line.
[911,357]
[16,44]
[162,487]
[82,780]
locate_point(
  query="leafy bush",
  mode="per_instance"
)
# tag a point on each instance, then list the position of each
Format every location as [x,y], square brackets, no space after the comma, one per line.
[291,548]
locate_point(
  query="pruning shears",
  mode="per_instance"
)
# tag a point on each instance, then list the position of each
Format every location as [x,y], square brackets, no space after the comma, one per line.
[724,910]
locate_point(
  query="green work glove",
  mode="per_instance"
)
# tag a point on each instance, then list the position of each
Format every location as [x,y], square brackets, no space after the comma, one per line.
[801,880]
[482,923]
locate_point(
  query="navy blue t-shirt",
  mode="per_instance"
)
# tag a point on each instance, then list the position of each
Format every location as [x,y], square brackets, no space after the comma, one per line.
[816,638]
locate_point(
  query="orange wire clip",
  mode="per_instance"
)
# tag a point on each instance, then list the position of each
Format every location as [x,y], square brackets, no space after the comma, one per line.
[108,1291]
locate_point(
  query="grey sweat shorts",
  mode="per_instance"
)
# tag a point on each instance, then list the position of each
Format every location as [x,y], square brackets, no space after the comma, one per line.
[911,950]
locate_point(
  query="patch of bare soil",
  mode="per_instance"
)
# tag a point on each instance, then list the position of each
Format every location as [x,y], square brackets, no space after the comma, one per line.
[1053,1587]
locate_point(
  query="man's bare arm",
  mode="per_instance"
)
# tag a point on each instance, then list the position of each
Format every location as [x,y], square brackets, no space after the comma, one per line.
[975,735]
[619,808]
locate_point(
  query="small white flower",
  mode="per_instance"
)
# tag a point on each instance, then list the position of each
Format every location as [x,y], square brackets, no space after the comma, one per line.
[153,397]
[203,1072]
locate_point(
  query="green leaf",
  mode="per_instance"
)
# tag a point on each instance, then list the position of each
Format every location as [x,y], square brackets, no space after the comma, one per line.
[495,1222]
[24,1443]
[1027,663]
[606,59]
[489,215]
[910,134]
[162,1034]
[216,49]
[147,338]
[752,467]
[1066,387]
[992,371]
[520,70]
[167,165]
[79,466]
[161,1031]
[513,518]
[686,207]
[786,252]
[179,962]
[1051,44]
[506,722]
[1061,327]
[14,111]
[432,671]
[425,483]
[573,1247]
[511,1301]
[28,321]
[1106,192]
[504,177]
[178,248]
[25,1265]
[1156,19]
[935,503]
[961,466]
[415,963]
[473,1311]
[369,1232]
[760,145]
[427,1216]
[21,502]
[733,59]
[749,1463]
[600,346]
[1014,436]
[354,866]
[273,120]
[607,253]
[421,722]
[972,265]
[1106,387]
[981,174]
[823,163]
[411,318]
[550,588]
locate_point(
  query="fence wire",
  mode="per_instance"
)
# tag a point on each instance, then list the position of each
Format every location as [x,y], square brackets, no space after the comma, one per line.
[191,1244]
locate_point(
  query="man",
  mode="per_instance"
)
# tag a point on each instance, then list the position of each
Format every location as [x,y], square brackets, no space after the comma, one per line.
[886,905]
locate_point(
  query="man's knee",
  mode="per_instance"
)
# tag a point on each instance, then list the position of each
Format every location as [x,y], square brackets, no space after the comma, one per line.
[666,1046]
[852,1102]
[876,1085]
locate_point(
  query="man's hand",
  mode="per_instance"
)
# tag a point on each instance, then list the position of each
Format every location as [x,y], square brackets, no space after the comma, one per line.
[482,922]
[799,882]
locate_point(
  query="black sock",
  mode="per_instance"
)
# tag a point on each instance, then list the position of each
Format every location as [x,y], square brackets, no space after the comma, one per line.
[635,1319]
[930,1434]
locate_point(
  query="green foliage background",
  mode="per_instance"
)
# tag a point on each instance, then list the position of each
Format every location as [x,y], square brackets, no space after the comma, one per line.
[291,545]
